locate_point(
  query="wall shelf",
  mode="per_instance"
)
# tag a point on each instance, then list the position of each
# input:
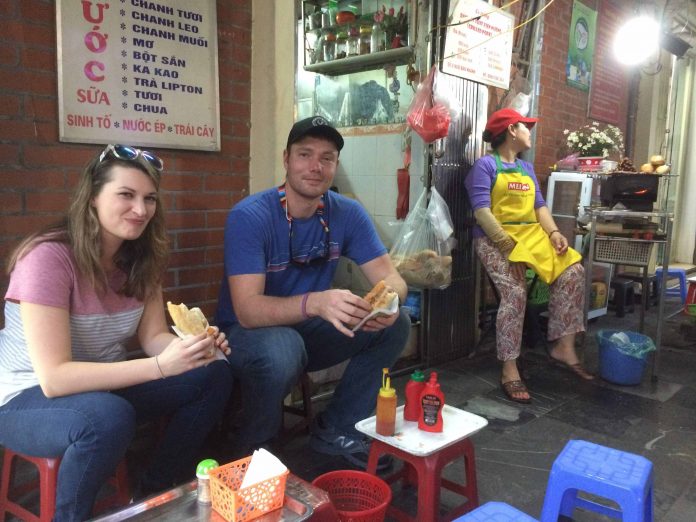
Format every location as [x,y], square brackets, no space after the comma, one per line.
[363,62]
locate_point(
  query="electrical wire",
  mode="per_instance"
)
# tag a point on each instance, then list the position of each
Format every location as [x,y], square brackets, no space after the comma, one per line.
[496,35]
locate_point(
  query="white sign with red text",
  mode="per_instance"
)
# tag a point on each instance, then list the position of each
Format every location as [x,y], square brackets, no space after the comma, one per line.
[479,48]
[139,72]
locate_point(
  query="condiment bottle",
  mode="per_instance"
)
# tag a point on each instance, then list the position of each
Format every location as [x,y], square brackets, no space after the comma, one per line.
[365,39]
[412,394]
[377,39]
[386,406]
[202,471]
[432,401]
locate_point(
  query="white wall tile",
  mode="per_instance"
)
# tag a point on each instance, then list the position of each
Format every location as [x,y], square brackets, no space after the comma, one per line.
[389,229]
[364,190]
[386,194]
[364,155]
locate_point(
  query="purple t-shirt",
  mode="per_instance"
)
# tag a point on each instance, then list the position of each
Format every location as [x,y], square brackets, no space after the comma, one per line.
[479,184]
[100,323]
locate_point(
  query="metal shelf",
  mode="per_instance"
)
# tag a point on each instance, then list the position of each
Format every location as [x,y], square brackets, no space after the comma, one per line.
[363,62]
[633,252]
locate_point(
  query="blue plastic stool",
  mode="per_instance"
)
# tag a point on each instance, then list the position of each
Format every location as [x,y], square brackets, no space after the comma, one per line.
[623,477]
[495,512]
[680,274]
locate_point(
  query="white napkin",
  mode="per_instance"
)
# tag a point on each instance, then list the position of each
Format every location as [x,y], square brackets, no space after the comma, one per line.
[389,310]
[263,465]
[218,352]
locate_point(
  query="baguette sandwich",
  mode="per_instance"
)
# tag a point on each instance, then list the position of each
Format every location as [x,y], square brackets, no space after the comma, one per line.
[381,296]
[189,322]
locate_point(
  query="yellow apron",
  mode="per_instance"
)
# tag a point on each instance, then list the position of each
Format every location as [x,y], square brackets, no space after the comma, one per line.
[512,204]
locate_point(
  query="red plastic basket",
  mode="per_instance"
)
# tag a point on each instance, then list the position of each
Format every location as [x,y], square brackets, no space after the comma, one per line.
[356,495]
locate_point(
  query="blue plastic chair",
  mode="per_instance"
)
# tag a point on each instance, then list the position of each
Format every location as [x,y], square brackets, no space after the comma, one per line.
[622,477]
[496,512]
[680,274]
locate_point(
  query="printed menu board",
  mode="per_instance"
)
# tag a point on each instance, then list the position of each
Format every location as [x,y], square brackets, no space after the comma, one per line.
[139,72]
[479,48]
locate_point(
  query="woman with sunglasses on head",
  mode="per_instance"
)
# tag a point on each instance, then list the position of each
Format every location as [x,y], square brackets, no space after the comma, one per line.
[515,230]
[78,292]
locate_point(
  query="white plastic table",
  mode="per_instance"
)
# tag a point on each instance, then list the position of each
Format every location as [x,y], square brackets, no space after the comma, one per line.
[456,425]
[425,454]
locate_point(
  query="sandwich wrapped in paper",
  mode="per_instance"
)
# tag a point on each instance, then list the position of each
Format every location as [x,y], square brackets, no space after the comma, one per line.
[383,300]
[191,321]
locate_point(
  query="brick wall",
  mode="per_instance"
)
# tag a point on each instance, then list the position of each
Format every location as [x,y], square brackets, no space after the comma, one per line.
[561,106]
[38,173]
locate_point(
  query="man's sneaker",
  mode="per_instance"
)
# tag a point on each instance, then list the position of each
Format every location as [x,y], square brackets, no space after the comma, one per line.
[354,448]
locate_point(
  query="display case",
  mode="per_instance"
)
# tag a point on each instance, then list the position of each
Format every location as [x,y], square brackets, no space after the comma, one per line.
[350,36]
[567,196]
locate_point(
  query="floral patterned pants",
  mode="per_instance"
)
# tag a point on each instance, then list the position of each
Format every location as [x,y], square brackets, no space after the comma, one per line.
[566,301]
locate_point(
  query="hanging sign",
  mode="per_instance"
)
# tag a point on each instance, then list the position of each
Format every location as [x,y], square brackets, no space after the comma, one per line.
[581,44]
[480,47]
[139,72]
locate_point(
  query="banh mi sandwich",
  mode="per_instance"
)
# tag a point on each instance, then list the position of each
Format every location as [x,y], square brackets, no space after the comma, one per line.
[189,322]
[381,296]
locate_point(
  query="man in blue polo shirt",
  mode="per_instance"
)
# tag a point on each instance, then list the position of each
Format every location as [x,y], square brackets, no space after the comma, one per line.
[282,317]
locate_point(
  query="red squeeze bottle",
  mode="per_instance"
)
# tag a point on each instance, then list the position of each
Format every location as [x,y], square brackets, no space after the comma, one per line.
[412,394]
[432,401]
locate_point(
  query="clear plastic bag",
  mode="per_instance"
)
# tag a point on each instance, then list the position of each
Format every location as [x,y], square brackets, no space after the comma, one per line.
[632,344]
[428,115]
[422,253]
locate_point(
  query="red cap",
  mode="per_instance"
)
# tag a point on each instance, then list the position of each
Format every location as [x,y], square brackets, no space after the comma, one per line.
[500,120]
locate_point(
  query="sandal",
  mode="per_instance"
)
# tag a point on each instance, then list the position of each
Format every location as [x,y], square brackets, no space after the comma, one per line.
[512,387]
[576,368]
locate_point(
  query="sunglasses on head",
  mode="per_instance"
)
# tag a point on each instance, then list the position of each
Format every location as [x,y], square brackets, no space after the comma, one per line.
[126,152]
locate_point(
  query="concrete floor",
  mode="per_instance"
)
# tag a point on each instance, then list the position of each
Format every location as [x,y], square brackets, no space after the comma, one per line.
[514,453]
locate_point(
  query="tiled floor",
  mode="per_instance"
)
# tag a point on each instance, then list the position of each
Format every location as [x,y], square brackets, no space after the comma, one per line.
[514,453]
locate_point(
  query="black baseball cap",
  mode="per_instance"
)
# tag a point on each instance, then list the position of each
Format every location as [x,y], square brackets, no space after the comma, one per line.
[314,126]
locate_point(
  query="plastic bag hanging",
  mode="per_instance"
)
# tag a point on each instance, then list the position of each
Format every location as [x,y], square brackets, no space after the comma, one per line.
[430,118]
[421,254]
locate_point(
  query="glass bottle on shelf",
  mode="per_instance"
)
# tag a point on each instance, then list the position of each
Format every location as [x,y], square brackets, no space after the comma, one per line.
[341,45]
[329,47]
[377,38]
[365,39]
[353,43]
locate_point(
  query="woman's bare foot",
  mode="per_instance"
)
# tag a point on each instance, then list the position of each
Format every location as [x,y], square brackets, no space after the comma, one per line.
[512,383]
[563,354]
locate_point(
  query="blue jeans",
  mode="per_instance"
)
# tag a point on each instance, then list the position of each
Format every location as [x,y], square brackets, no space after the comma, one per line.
[91,431]
[269,361]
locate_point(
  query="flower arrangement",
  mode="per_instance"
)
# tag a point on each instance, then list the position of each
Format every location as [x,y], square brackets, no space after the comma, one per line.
[394,23]
[591,140]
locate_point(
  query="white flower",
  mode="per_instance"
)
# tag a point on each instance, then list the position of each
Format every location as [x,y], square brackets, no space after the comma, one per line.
[593,141]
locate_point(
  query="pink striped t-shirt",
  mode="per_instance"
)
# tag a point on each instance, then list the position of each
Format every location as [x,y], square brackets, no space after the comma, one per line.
[100,323]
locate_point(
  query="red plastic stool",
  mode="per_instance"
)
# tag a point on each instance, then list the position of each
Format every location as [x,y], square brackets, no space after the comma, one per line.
[48,476]
[425,473]
[690,295]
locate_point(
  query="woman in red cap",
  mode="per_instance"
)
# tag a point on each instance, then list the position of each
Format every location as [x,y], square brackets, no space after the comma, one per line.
[514,231]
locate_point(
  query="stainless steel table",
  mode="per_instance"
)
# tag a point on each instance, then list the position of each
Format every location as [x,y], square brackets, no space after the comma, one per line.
[181,504]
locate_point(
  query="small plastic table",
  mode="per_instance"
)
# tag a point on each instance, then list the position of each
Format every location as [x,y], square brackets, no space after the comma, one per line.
[425,454]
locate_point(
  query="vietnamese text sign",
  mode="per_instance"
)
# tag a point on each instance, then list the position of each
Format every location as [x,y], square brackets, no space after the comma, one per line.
[480,49]
[609,89]
[138,72]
